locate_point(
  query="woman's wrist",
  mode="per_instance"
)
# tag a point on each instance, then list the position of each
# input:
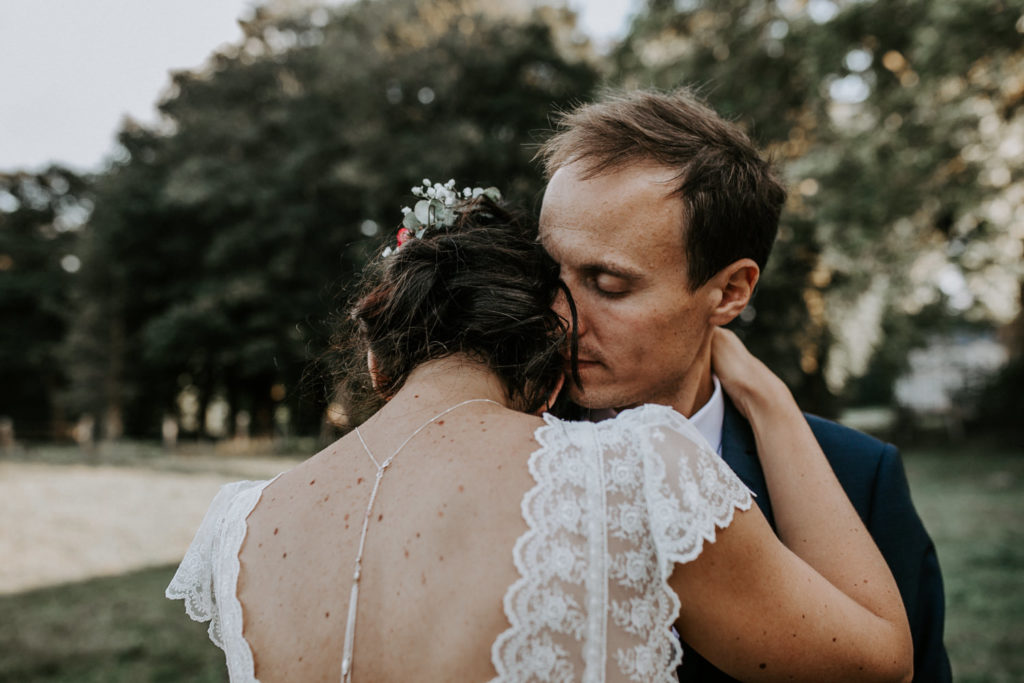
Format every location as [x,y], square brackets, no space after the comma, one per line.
[765,400]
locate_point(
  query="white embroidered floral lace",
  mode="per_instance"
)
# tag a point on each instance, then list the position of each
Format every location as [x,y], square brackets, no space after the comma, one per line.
[614,507]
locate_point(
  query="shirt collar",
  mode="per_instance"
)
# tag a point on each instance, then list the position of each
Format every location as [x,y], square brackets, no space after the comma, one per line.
[708,420]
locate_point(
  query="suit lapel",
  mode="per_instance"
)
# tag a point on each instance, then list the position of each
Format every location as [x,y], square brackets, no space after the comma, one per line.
[739,450]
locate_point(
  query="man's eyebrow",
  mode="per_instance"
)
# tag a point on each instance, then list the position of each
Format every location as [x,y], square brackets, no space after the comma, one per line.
[609,268]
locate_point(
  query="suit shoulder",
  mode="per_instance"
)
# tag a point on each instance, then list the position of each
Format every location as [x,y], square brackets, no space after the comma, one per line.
[841,441]
[865,466]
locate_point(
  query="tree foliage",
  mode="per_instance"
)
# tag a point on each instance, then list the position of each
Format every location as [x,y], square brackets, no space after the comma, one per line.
[218,240]
[211,251]
[900,130]
[40,215]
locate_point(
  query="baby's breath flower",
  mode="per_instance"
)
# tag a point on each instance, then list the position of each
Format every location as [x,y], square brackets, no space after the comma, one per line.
[436,208]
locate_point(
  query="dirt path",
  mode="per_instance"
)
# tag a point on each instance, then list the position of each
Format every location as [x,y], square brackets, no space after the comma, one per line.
[73,522]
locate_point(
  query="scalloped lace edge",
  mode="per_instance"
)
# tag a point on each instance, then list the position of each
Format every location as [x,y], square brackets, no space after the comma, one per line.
[670,559]
[234,528]
[544,435]
[541,436]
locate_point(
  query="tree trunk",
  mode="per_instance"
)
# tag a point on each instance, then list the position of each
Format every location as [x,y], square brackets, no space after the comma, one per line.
[113,418]
[58,417]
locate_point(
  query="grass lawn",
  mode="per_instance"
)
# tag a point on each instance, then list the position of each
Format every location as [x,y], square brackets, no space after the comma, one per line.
[122,629]
[110,630]
[973,506]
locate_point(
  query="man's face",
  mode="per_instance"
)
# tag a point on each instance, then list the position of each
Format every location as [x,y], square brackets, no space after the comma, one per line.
[644,336]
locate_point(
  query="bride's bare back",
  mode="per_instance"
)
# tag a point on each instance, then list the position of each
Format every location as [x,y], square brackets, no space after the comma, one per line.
[438,555]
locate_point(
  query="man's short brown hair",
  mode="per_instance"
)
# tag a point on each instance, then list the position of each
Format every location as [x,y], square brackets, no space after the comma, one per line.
[730,193]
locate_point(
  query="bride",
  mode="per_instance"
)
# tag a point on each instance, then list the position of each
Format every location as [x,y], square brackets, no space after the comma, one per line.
[457,536]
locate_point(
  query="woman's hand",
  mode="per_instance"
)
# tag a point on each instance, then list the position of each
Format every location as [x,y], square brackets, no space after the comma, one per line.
[747,381]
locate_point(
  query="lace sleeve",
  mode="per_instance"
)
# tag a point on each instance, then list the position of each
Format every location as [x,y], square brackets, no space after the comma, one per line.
[689,490]
[614,507]
[194,580]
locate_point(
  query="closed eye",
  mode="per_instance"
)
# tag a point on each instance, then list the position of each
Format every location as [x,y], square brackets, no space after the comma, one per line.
[610,286]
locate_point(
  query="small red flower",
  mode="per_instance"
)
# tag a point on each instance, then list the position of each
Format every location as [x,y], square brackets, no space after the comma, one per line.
[403,235]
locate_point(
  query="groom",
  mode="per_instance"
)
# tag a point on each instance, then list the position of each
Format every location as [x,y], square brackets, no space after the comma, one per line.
[662,215]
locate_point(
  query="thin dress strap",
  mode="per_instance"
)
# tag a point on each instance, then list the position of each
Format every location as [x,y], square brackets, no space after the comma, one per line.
[353,601]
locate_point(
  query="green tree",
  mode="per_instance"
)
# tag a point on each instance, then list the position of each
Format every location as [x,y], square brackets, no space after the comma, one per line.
[219,239]
[40,215]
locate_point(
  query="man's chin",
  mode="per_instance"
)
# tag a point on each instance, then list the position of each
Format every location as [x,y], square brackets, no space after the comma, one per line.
[592,399]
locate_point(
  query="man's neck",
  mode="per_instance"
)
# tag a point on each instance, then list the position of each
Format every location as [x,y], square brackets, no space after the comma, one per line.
[695,394]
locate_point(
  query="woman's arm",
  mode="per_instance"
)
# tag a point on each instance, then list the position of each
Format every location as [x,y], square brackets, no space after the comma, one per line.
[820,605]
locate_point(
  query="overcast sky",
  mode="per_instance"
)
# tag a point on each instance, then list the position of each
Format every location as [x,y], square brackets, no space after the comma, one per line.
[74,68]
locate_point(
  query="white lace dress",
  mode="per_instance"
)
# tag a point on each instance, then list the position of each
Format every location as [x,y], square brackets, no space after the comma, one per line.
[614,507]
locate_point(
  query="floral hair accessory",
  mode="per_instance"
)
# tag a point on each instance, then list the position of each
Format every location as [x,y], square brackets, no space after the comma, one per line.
[436,208]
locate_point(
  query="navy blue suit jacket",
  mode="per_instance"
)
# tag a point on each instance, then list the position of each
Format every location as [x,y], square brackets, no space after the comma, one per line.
[871,473]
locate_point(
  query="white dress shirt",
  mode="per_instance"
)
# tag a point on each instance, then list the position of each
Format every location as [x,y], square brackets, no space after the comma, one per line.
[708,420]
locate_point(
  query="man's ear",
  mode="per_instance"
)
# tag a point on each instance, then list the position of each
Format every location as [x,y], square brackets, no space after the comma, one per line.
[735,283]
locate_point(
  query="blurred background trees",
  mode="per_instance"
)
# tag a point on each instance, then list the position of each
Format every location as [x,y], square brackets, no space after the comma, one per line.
[900,130]
[40,216]
[197,275]
[220,239]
